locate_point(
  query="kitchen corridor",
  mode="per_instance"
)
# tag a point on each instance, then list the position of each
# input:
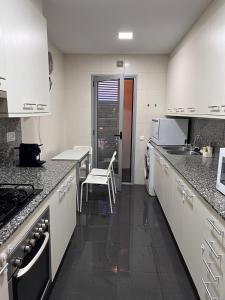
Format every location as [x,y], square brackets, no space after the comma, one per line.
[130,255]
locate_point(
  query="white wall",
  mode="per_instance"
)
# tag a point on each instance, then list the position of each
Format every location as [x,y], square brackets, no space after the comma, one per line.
[52,128]
[38,4]
[151,71]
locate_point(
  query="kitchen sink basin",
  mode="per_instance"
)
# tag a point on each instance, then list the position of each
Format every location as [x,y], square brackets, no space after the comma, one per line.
[182,152]
[174,148]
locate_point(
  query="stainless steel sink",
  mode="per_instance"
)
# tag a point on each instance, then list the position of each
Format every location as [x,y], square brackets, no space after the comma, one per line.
[179,148]
[182,152]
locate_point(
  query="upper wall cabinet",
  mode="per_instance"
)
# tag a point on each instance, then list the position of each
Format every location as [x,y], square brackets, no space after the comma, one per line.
[25,51]
[196,75]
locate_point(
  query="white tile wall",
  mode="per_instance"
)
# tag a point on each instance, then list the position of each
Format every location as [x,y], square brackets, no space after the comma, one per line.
[151,71]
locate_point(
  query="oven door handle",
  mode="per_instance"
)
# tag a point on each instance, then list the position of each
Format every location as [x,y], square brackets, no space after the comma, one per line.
[26,269]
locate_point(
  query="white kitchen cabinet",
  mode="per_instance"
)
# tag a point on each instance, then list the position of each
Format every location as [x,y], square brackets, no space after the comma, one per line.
[197,68]
[212,254]
[166,177]
[4,285]
[62,219]
[157,177]
[176,208]
[25,37]
[191,232]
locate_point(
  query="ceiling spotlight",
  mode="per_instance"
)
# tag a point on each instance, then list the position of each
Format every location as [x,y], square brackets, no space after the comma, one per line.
[125,35]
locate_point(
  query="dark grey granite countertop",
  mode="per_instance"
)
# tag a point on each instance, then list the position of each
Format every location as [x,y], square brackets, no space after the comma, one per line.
[201,174]
[47,177]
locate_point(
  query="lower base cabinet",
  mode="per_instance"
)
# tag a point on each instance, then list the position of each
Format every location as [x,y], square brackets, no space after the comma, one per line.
[4,295]
[199,231]
[62,219]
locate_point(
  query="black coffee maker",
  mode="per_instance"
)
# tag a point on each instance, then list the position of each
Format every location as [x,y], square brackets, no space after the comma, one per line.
[29,155]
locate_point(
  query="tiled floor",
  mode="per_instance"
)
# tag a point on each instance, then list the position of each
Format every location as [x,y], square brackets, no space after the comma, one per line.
[130,255]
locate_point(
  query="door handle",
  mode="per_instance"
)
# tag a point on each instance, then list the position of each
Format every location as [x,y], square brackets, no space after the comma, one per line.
[119,135]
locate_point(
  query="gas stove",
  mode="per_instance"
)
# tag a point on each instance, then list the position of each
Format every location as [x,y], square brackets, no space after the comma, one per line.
[13,198]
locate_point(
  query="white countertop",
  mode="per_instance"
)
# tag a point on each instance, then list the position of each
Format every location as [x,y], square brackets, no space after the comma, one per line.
[77,155]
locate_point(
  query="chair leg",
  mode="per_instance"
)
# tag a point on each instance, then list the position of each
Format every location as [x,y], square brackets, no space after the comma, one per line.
[113,191]
[114,180]
[87,192]
[81,196]
[110,200]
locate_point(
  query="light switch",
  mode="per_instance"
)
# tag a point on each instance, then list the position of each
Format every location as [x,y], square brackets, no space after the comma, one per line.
[11,136]
[141,138]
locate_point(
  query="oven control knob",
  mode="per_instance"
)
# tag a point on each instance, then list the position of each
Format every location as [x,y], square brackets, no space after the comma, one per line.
[44,226]
[17,262]
[32,242]
[36,235]
[27,248]
[40,230]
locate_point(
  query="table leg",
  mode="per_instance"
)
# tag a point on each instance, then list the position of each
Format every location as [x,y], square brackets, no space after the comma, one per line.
[78,184]
[87,165]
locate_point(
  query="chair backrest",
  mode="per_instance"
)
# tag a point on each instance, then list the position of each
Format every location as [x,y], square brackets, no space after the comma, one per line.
[111,163]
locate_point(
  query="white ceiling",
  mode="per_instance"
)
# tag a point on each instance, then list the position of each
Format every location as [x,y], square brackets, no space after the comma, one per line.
[91,26]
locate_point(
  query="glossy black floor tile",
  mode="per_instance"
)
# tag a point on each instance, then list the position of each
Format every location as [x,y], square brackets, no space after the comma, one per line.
[139,286]
[130,254]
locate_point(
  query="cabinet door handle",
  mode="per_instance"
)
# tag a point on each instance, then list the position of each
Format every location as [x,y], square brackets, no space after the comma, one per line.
[207,290]
[3,269]
[214,108]
[214,277]
[179,183]
[212,223]
[192,109]
[189,197]
[209,244]
[41,106]
[28,106]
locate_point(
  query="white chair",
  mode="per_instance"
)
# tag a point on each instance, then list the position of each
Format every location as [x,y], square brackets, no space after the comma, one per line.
[103,172]
[99,180]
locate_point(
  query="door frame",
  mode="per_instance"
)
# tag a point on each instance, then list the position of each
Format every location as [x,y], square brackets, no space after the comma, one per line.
[94,120]
[133,146]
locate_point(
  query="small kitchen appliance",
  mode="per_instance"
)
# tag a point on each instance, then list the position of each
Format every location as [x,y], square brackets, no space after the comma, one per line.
[29,155]
[167,131]
[220,182]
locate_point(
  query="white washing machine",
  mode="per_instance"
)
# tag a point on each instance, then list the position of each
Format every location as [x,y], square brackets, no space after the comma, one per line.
[149,169]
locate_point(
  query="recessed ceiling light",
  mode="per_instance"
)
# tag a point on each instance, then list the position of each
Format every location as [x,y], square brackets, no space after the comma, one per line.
[125,35]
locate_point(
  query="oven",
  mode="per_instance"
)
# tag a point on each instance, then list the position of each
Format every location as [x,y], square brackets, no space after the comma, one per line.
[220,182]
[29,263]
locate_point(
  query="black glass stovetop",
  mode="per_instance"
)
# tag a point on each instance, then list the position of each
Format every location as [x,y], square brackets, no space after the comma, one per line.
[13,198]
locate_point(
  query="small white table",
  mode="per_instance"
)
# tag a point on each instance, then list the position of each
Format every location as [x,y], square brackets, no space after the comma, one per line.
[77,155]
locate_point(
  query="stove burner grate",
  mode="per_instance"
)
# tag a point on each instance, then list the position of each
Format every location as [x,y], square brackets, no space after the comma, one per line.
[13,198]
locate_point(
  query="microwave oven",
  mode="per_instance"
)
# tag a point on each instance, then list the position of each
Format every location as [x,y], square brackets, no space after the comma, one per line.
[169,131]
[220,182]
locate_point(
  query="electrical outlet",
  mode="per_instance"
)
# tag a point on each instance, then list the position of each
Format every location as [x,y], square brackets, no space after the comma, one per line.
[11,136]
